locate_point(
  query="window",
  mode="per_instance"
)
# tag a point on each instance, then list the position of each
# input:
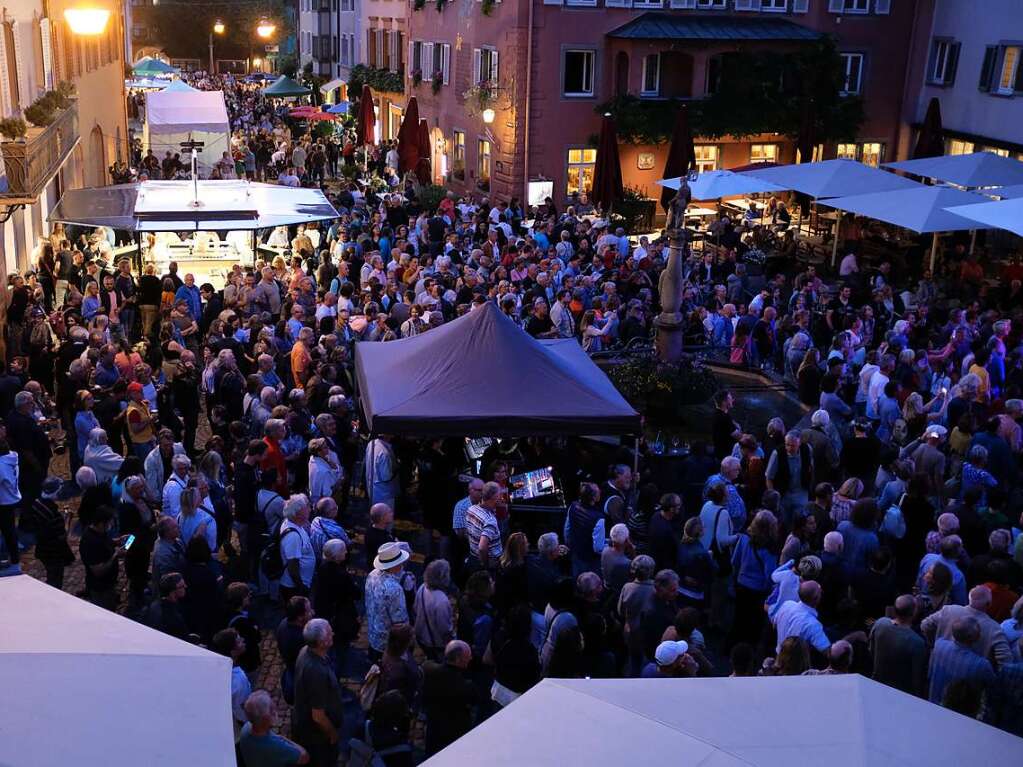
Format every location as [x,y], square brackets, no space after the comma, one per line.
[458,150]
[647,3]
[846,152]
[763,153]
[994,150]
[1009,78]
[817,154]
[987,68]
[871,154]
[485,68]
[955,146]
[138,32]
[773,5]
[706,157]
[581,163]
[416,57]
[857,6]
[941,67]
[710,4]
[483,165]
[853,65]
[578,75]
[651,75]
[581,2]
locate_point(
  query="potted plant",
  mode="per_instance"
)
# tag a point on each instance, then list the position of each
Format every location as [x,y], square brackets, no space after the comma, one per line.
[40,112]
[487,7]
[441,4]
[417,77]
[437,82]
[13,128]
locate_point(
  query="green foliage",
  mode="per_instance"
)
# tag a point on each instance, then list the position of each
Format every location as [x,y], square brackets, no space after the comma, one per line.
[487,7]
[660,389]
[44,109]
[430,197]
[377,79]
[758,92]
[13,128]
[630,209]
[184,26]
[437,82]
[288,65]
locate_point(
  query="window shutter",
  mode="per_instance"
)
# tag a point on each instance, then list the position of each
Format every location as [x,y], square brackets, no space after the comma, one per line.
[445,62]
[987,68]
[1018,85]
[952,64]
[47,41]
[6,100]
[379,62]
[427,61]
[24,97]
[882,7]
[477,62]
[495,73]
[411,57]
[369,47]
[800,6]
[836,6]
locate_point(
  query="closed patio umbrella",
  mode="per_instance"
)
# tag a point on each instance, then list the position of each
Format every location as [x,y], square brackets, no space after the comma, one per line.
[931,141]
[408,138]
[607,176]
[681,153]
[366,125]
[423,167]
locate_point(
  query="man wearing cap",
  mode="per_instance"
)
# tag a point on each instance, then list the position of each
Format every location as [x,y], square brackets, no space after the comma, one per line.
[385,597]
[671,661]
[141,422]
[926,456]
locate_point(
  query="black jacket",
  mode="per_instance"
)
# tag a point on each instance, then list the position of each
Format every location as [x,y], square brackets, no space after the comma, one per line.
[448,700]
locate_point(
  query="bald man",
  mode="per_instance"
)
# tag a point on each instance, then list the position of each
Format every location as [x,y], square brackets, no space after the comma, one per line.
[799,618]
[899,653]
[448,697]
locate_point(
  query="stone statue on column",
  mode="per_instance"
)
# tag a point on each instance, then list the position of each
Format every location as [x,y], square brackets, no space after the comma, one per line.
[669,322]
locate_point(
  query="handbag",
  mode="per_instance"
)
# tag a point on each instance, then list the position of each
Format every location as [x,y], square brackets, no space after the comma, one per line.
[722,557]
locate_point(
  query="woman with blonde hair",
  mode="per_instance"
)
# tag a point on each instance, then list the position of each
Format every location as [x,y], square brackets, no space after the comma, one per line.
[194,521]
[844,498]
[91,303]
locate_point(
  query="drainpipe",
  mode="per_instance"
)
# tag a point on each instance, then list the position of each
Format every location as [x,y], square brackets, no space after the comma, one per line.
[529,93]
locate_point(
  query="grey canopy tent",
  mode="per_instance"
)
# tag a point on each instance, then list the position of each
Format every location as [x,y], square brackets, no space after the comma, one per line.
[482,375]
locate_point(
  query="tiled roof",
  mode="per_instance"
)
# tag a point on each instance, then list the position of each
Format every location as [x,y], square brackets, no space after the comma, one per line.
[665,26]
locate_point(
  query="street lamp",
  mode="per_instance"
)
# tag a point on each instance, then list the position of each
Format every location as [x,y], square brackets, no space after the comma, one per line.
[488,116]
[265,28]
[218,27]
[87,21]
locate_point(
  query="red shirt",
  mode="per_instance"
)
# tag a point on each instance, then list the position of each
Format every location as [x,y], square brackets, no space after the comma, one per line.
[273,458]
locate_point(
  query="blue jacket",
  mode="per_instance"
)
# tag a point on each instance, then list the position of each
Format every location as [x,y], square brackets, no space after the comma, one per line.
[753,566]
[191,295]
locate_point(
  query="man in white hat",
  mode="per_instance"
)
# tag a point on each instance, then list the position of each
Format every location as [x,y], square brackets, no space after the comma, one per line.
[671,660]
[385,597]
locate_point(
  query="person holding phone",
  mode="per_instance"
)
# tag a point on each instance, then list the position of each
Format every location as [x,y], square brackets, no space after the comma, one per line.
[101,557]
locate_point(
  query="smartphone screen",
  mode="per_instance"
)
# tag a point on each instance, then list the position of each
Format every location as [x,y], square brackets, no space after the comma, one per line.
[129,542]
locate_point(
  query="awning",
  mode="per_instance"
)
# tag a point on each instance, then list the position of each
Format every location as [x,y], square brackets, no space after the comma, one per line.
[332,85]
[833,178]
[165,206]
[976,169]
[284,86]
[663,26]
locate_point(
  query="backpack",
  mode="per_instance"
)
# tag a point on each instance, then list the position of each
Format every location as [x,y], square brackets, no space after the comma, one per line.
[370,685]
[365,754]
[270,560]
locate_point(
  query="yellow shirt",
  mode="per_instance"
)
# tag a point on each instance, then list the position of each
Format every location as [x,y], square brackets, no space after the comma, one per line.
[984,387]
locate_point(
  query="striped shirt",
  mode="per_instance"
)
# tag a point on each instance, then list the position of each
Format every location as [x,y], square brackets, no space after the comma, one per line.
[480,521]
[951,662]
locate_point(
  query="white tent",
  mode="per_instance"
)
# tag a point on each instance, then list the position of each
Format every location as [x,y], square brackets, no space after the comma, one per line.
[88,687]
[832,178]
[976,169]
[715,184]
[997,214]
[174,117]
[838,721]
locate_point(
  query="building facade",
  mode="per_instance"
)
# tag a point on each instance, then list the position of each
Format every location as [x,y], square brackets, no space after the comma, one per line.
[382,28]
[973,64]
[38,51]
[544,66]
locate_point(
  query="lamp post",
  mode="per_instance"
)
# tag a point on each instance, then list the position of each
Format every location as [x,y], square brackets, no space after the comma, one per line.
[265,28]
[218,28]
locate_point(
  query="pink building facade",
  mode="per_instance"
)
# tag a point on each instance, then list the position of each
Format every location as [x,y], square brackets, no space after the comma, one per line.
[510,94]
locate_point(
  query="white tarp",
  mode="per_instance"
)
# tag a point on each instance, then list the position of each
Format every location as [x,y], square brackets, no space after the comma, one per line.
[715,184]
[976,169]
[832,178]
[176,116]
[87,687]
[922,209]
[838,721]
[996,214]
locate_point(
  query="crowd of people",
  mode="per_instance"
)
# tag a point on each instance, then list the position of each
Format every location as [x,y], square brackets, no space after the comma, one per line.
[880,536]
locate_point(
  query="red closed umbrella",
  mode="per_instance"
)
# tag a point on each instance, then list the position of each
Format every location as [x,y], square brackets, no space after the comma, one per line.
[423,167]
[681,154]
[806,138]
[408,138]
[931,142]
[366,125]
[607,176]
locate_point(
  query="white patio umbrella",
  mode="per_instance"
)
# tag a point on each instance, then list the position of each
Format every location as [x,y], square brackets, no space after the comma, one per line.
[977,169]
[921,209]
[715,184]
[994,214]
[832,178]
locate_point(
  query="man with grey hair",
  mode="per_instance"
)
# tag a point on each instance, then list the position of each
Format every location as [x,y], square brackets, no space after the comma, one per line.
[176,483]
[734,504]
[259,744]
[543,570]
[614,559]
[658,612]
[448,697]
[317,715]
[169,551]
[825,446]
[991,642]
[954,660]
[297,551]
[790,472]
[482,530]
[29,441]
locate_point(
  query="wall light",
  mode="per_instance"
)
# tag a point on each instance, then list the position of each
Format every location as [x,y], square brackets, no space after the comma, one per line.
[488,116]
[87,21]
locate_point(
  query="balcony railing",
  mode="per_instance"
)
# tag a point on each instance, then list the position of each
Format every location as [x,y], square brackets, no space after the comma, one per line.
[32,163]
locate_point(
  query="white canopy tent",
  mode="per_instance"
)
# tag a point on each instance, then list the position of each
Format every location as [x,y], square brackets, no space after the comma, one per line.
[922,209]
[995,214]
[176,116]
[838,721]
[88,686]
[832,178]
[715,184]
[977,169]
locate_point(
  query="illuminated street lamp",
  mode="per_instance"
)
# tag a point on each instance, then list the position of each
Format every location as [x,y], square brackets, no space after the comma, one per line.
[87,21]
[218,27]
[265,28]
[488,116]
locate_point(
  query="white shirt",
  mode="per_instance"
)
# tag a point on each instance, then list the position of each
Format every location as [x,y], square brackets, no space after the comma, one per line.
[298,546]
[322,478]
[240,691]
[848,266]
[874,391]
[799,619]
[172,494]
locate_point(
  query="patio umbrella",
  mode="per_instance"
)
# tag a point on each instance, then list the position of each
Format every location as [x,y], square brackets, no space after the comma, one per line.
[977,169]
[318,116]
[681,154]
[931,141]
[340,108]
[999,214]
[285,87]
[408,138]
[423,167]
[366,125]
[715,184]
[607,176]
[180,86]
[806,137]
[302,111]
[832,178]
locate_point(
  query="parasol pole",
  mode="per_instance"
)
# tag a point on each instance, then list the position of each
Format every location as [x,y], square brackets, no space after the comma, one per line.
[834,242]
[934,250]
[973,240]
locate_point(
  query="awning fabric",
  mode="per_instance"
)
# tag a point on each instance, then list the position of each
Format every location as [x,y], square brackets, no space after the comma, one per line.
[164,206]
[332,85]
[997,214]
[132,695]
[481,375]
[832,178]
[172,111]
[976,169]
[839,720]
[284,86]
[716,184]
[923,209]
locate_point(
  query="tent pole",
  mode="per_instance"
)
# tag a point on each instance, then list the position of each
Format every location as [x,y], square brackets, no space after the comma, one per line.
[934,250]
[973,240]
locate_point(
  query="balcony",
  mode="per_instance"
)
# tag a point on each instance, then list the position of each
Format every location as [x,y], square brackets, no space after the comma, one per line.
[30,164]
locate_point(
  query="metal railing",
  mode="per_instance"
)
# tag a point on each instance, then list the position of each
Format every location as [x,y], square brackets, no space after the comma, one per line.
[31,164]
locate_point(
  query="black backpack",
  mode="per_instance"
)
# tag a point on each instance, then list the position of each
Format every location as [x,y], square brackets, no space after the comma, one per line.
[270,560]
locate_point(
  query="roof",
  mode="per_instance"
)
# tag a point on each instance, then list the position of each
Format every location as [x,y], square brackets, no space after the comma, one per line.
[841,720]
[175,110]
[481,375]
[664,26]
